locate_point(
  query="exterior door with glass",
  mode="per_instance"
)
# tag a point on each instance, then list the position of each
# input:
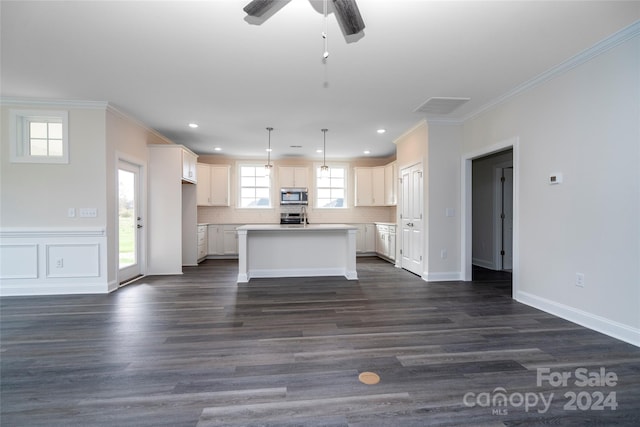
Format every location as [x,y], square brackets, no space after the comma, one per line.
[129,222]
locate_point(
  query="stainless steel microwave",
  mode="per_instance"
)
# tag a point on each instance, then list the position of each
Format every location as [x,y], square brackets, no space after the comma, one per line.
[294,196]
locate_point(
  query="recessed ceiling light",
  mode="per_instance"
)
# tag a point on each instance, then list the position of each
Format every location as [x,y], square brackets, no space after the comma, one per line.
[217,149]
[367,152]
[319,150]
[381,131]
[193,125]
[269,149]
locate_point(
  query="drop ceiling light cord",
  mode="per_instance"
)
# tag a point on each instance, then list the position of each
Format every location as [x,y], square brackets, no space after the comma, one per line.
[324,170]
[325,55]
[268,166]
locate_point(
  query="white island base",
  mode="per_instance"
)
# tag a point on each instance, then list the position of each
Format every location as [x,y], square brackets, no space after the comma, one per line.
[266,250]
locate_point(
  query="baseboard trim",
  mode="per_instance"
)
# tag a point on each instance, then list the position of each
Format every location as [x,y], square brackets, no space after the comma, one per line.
[483,263]
[588,320]
[452,276]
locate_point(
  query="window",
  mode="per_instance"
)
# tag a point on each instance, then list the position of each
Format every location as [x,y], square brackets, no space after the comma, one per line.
[331,188]
[255,187]
[39,136]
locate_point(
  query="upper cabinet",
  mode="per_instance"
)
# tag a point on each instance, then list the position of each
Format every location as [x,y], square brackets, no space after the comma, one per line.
[189,161]
[375,186]
[390,184]
[369,186]
[293,176]
[213,185]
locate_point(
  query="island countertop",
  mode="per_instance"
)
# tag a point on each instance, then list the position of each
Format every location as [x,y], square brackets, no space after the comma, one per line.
[295,227]
[296,250]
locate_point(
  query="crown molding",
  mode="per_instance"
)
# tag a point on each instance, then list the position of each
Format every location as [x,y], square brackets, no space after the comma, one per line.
[586,55]
[422,122]
[52,103]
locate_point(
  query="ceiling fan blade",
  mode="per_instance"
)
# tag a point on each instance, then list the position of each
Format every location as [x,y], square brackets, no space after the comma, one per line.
[348,16]
[259,7]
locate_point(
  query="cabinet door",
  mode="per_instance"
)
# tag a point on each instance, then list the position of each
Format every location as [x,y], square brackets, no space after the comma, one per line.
[379,239]
[204,185]
[189,161]
[219,185]
[390,187]
[363,188]
[230,240]
[392,243]
[300,176]
[213,241]
[202,242]
[293,176]
[370,237]
[377,186]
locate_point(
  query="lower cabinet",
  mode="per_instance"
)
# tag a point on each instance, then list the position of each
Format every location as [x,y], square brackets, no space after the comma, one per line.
[203,246]
[222,239]
[365,238]
[386,241]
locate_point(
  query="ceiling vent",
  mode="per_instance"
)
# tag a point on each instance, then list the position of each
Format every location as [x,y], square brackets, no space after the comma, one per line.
[440,105]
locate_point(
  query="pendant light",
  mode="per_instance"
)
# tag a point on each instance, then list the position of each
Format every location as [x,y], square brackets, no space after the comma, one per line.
[324,169]
[268,167]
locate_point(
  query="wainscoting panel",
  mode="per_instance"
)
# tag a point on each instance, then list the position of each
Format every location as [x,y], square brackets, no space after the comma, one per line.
[53,261]
[18,261]
[73,260]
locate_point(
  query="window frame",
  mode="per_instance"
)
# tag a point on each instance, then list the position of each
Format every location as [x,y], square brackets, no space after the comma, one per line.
[239,167]
[20,121]
[316,176]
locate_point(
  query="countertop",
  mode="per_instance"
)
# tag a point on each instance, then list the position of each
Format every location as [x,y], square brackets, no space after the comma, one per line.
[294,227]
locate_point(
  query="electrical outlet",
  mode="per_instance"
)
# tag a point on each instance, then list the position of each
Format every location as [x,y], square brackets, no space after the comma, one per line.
[60,263]
[443,254]
[580,280]
[88,212]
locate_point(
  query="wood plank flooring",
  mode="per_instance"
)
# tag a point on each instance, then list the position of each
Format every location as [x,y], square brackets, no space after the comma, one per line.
[200,350]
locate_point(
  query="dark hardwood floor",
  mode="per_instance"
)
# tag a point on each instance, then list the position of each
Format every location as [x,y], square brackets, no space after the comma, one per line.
[200,350]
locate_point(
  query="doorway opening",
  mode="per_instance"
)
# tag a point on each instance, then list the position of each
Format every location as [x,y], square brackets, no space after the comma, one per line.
[490,219]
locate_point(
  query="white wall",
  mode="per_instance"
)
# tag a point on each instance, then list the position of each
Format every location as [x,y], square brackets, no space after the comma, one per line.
[445,145]
[583,123]
[43,249]
[35,227]
[39,195]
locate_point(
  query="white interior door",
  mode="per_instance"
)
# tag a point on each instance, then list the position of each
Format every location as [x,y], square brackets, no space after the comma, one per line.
[129,222]
[507,218]
[411,218]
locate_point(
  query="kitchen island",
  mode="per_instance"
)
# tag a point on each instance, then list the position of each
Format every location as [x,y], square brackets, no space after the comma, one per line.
[274,250]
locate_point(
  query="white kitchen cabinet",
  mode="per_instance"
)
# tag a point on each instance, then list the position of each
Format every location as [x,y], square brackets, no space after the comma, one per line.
[293,176]
[214,242]
[189,169]
[222,240]
[230,240]
[369,238]
[365,238]
[172,211]
[369,186]
[202,242]
[386,241]
[213,185]
[390,184]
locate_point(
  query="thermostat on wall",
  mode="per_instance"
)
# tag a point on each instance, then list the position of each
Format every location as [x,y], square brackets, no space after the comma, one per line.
[555,178]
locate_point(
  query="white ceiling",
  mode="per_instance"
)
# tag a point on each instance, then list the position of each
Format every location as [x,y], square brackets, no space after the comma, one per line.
[173,62]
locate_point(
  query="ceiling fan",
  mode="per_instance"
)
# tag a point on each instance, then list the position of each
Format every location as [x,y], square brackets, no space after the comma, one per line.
[346,12]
